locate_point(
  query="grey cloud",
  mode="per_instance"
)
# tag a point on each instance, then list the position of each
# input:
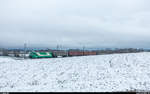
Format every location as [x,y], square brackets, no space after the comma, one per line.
[92,23]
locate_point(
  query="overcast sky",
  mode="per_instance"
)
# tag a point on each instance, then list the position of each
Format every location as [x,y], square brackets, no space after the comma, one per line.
[72,23]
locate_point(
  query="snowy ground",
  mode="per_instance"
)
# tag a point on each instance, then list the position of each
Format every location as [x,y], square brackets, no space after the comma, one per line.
[103,73]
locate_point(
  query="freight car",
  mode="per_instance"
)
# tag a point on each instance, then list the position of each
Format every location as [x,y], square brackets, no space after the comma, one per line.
[81,53]
[89,53]
[75,53]
[62,53]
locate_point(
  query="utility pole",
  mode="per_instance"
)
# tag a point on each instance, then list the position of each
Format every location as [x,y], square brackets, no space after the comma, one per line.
[61,48]
[25,45]
[57,47]
[83,49]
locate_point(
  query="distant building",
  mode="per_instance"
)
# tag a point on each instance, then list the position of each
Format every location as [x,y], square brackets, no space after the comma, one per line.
[23,54]
[18,53]
[11,53]
[3,52]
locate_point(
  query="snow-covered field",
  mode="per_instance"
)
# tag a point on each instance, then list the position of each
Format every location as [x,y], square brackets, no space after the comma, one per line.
[103,73]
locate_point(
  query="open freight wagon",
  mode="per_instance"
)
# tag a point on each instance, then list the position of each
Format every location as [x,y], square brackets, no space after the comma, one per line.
[40,55]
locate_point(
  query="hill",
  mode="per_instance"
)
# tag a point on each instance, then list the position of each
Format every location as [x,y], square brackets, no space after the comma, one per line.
[100,73]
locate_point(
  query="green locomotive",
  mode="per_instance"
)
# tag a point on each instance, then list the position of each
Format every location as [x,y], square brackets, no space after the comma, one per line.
[41,55]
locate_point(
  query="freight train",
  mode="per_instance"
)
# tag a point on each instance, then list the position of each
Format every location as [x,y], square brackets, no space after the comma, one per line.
[61,53]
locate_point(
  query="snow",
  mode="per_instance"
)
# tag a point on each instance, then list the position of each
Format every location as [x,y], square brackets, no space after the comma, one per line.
[101,73]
